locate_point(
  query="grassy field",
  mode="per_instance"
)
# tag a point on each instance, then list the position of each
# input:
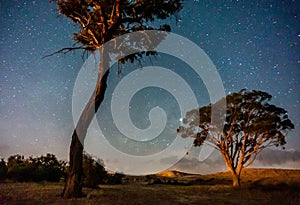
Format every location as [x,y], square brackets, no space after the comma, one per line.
[259,186]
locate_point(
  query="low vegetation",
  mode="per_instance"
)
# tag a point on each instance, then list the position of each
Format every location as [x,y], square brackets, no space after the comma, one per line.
[21,169]
[49,168]
[258,186]
[40,180]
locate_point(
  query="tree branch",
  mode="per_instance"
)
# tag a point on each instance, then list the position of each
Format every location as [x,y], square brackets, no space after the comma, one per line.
[253,158]
[64,51]
[213,145]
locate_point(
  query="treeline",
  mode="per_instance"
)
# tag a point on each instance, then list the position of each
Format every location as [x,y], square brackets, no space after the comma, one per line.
[47,167]
[21,169]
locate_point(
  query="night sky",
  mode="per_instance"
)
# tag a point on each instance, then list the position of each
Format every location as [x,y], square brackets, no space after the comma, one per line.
[253,44]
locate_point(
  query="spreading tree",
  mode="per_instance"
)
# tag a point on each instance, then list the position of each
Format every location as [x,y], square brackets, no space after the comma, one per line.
[99,22]
[252,124]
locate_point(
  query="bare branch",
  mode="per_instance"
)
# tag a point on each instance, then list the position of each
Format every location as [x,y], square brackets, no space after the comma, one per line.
[253,158]
[78,20]
[96,42]
[212,145]
[64,51]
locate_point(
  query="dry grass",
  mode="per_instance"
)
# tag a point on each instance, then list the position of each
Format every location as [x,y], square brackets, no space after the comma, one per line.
[259,186]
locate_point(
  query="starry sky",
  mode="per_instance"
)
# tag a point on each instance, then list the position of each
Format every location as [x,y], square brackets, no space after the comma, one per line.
[253,44]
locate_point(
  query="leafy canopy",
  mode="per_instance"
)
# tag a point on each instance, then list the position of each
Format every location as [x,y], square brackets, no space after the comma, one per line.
[100,21]
[251,124]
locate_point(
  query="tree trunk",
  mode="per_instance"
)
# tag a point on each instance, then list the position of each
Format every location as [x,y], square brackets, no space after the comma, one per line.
[235,171]
[73,184]
[236,180]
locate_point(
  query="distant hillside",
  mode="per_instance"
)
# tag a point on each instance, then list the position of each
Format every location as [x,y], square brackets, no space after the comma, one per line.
[268,158]
[171,174]
[250,176]
[259,176]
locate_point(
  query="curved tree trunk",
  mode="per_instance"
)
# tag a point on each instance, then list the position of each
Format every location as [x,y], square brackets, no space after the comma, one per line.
[73,184]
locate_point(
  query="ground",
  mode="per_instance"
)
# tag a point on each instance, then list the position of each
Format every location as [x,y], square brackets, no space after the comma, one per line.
[259,186]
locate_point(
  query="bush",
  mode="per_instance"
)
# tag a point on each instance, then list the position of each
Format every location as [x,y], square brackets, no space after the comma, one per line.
[115,178]
[3,170]
[35,169]
[94,172]
[48,168]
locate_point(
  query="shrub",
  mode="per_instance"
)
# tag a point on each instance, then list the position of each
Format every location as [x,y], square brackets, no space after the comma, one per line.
[35,169]
[115,178]
[3,170]
[94,172]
